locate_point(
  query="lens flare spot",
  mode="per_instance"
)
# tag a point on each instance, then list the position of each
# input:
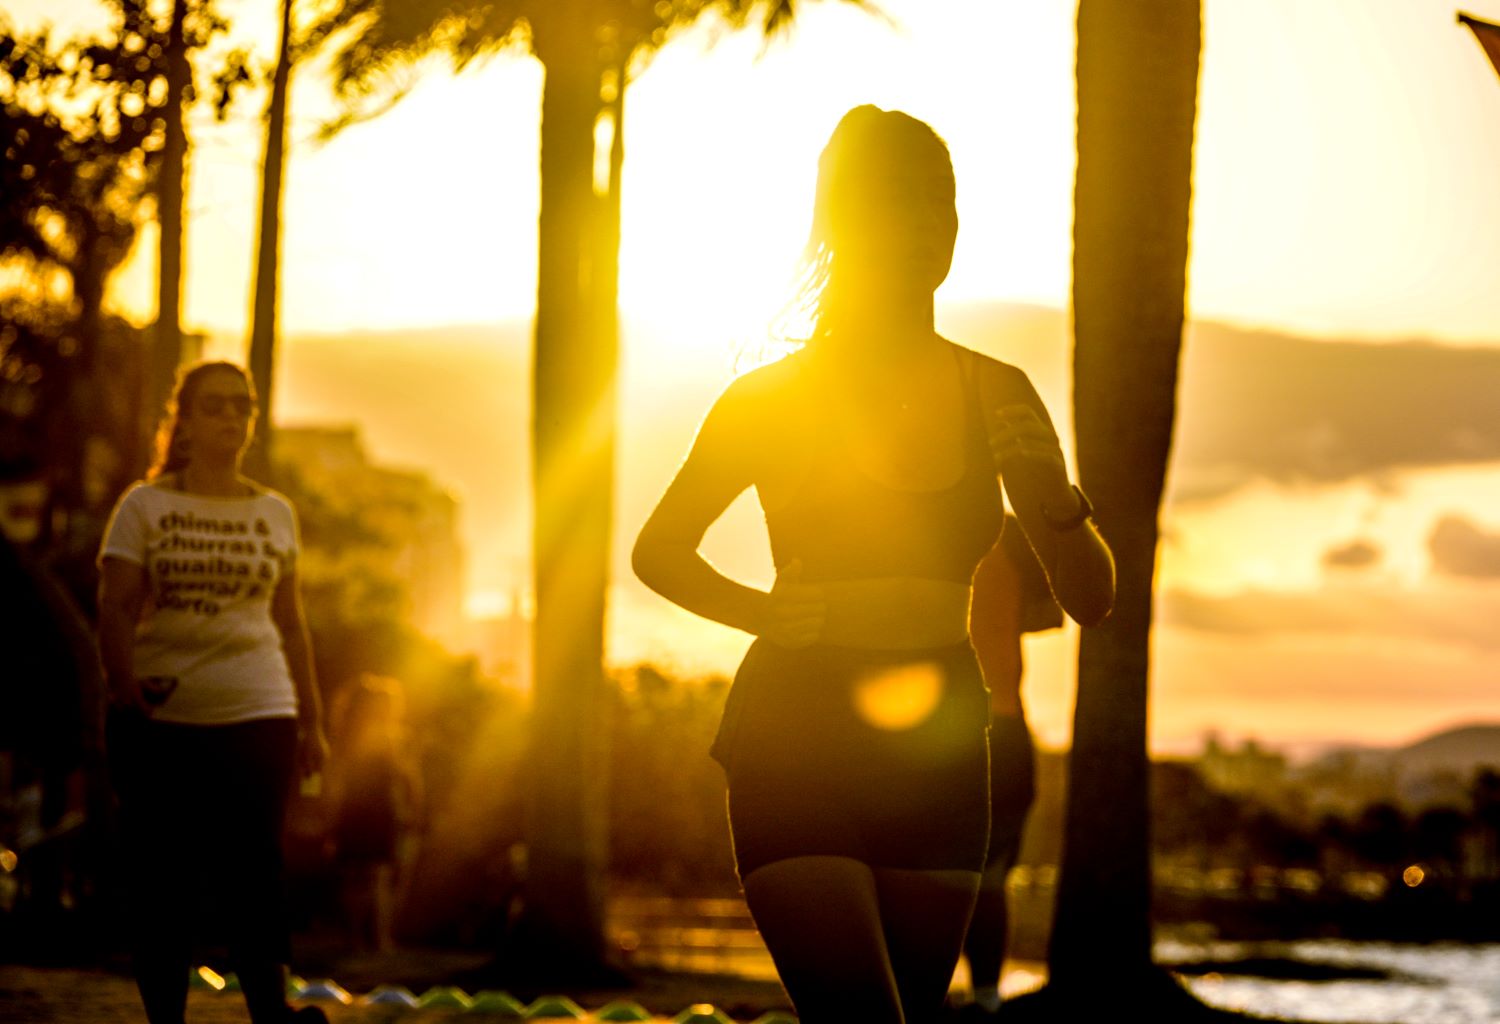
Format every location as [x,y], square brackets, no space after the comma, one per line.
[899,698]
[1413,876]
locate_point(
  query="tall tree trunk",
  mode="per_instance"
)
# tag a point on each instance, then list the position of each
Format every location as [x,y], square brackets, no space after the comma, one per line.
[263,317]
[573,436]
[85,401]
[1137,93]
[606,277]
[170,188]
[608,287]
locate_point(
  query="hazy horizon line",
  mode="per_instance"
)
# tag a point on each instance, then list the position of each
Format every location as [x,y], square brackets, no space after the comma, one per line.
[1263,328]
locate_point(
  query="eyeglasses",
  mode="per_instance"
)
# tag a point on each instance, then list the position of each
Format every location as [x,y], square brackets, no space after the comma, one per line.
[214,405]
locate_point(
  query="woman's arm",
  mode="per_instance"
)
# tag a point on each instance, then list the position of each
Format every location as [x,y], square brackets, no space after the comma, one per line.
[122,591]
[286,612]
[718,468]
[1078,562]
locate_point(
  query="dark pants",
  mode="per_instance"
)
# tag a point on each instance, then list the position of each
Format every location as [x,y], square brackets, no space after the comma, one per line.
[201,813]
[1012,791]
[1012,787]
[813,770]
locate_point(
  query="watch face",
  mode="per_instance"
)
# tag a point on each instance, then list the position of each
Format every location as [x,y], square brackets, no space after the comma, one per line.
[1077,519]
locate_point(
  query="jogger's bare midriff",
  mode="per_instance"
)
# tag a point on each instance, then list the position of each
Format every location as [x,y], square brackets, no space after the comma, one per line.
[895,613]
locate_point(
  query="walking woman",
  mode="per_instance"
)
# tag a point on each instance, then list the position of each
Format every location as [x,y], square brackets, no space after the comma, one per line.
[855,736]
[213,704]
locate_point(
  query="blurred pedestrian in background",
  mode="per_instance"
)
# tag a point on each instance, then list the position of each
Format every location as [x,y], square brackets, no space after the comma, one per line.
[375,792]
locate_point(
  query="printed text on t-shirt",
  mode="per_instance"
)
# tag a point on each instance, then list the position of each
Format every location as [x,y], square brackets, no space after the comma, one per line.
[203,562]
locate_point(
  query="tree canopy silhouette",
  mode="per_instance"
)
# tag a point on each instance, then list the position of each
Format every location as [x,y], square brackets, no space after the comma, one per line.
[82,144]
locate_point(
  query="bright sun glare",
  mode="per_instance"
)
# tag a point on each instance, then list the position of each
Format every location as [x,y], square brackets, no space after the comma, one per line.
[722,156]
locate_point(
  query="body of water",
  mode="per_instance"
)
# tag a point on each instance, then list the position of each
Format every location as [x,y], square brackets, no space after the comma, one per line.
[1356,982]
[1427,984]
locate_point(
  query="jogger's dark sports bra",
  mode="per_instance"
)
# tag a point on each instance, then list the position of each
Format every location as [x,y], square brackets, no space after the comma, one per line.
[844,525]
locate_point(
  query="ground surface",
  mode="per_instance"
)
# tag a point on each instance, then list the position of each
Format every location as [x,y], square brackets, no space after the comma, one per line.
[60,995]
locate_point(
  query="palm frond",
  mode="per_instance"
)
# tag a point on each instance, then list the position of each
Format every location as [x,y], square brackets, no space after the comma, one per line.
[375,40]
[379,35]
[657,24]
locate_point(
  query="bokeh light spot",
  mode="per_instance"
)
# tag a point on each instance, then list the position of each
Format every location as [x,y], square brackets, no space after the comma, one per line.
[1413,876]
[899,698]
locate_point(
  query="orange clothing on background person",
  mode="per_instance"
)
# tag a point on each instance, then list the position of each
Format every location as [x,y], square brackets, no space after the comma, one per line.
[1010,596]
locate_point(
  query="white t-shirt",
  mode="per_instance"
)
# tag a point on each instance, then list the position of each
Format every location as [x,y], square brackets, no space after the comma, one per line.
[206,646]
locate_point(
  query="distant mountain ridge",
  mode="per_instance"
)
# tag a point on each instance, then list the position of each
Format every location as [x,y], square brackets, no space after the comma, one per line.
[455,402]
[1259,403]
[1462,748]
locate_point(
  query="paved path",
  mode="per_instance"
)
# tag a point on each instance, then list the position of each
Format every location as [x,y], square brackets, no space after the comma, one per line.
[44,995]
[37,995]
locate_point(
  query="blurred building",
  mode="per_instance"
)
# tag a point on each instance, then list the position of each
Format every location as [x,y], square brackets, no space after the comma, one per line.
[414,519]
[502,643]
[1250,768]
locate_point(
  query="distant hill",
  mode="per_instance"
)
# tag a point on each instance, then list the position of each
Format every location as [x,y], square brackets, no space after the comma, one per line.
[454,401]
[1257,403]
[1462,750]
[1457,752]
[1298,410]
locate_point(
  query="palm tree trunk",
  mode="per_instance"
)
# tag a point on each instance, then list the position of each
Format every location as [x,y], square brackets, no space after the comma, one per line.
[607,277]
[1137,93]
[263,324]
[573,437]
[170,188]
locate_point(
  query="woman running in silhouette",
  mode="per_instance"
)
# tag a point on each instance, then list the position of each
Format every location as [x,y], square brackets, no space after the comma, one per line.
[213,702]
[854,739]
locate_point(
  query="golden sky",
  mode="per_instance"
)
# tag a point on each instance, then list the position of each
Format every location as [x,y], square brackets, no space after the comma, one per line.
[1345,187]
[1346,160]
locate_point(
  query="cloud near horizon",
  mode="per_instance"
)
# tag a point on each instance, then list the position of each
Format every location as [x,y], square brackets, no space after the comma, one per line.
[1296,411]
[1299,411]
[1462,616]
[1356,554]
[1459,548]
